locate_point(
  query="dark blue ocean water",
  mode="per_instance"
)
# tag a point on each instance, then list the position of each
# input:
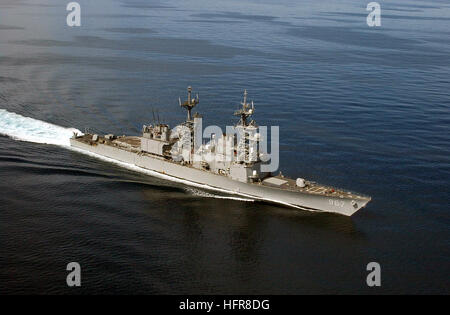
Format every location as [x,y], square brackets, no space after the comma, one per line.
[367,109]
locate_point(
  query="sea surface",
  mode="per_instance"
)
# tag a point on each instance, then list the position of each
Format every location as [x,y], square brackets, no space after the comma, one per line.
[362,108]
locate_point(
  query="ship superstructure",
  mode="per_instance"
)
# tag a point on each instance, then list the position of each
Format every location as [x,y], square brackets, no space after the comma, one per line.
[231,163]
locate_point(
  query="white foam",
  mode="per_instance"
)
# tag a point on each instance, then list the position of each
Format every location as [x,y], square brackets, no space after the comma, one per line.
[32,130]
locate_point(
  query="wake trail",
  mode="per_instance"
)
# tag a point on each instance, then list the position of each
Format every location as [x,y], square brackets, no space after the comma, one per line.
[28,129]
[33,130]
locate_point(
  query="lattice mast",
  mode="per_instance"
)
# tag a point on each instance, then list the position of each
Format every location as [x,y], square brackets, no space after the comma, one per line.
[246,111]
[189,104]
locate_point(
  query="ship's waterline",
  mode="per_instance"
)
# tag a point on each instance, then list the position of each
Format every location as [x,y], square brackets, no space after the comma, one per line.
[336,205]
[173,154]
[165,176]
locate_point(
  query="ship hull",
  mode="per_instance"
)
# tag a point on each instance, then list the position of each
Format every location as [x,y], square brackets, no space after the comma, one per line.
[197,177]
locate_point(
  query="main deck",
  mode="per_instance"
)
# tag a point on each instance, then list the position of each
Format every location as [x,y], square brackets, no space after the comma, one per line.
[133,144]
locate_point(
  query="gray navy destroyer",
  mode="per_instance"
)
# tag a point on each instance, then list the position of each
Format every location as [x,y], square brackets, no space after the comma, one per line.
[173,153]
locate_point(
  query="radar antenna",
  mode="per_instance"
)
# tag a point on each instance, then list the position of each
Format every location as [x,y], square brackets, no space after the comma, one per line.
[190,103]
[246,110]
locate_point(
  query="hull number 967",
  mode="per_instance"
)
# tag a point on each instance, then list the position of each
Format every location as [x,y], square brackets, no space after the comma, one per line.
[336,203]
